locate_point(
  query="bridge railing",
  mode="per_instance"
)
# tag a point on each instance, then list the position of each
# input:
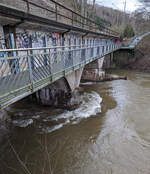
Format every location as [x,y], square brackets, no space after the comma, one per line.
[24,71]
[58,12]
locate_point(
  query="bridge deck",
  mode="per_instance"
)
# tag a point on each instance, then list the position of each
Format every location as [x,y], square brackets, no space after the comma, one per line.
[135,42]
[24,71]
[51,16]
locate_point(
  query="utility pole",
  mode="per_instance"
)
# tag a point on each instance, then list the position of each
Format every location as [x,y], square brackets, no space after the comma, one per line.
[124,20]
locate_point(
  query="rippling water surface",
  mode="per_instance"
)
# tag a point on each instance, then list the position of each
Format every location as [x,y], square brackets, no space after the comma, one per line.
[108,133]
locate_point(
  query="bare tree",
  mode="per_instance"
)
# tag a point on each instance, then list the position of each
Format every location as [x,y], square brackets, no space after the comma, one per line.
[93,7]
[142,19]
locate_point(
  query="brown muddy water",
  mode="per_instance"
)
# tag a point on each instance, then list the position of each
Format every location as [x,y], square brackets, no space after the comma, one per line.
[108,133]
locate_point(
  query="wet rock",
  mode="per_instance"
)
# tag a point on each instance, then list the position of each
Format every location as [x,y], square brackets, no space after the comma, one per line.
[3,116]
[59,98]
[58,95]
[4,127]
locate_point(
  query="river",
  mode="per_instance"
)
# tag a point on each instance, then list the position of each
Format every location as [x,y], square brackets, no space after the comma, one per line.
[108,133]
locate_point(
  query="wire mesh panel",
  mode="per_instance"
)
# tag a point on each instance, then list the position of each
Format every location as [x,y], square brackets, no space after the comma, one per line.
[98,50]
[88,52]
[57,59]
[77,55]
[83,54]
[14,74]
[68,57]
[41,68]
[83,50]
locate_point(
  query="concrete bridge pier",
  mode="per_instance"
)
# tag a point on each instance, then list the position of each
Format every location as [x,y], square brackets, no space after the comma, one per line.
[93,71]
[62,93]
[108,61]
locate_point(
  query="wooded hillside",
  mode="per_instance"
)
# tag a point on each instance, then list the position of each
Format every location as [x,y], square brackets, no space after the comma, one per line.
[104,15]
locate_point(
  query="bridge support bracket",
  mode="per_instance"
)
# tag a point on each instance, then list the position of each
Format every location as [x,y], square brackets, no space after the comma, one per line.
[64,72]
[31,87]
[19,23]
[66,32]
[85,35]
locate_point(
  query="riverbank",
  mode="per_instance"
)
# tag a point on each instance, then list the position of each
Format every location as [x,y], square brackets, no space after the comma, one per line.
[141,58]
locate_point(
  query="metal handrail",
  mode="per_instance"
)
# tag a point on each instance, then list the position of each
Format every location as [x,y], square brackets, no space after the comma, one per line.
[81,15]
[87,20]
[69,48]
[44,48]
[47,48]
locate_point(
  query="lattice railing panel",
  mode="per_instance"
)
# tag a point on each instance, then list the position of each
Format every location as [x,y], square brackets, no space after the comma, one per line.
[33,68]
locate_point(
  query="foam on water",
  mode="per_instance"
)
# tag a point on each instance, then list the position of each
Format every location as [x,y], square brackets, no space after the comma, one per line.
[91,105]
[22,123]
[88,83]
[51,129]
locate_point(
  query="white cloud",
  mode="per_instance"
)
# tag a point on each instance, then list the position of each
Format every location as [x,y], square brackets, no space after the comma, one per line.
[131,5]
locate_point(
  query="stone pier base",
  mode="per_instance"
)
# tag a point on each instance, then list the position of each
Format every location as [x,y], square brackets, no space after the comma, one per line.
[61,94]
[57,95]
[93,71]
[108,61]
[93,74]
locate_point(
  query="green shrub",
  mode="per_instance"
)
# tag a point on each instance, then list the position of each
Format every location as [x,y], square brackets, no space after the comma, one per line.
[101,22]
[128,31]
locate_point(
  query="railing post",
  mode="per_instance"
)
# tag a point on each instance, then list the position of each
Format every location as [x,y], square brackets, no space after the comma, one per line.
[72,18]
[83,22]
[28,8]
[30,70]
[63,50]
[50,68]
[56,11]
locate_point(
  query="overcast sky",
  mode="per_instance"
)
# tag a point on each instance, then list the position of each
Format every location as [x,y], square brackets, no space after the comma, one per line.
[131,5]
